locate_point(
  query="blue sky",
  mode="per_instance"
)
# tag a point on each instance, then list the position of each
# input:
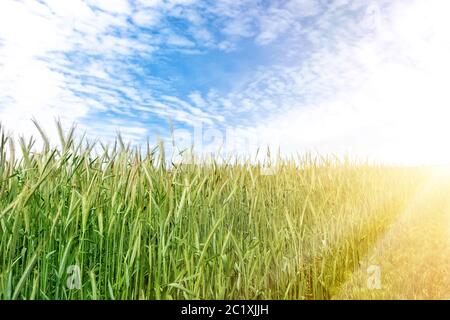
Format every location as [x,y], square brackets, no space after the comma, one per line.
[335,76]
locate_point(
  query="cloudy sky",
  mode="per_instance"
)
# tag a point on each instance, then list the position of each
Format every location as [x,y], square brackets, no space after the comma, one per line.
[333,76]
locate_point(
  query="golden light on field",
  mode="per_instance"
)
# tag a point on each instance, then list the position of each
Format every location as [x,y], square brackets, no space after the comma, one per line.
[412,259]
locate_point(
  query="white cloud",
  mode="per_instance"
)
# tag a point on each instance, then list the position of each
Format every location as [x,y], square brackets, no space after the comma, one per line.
[146,18]
[345,79]
[69,61]
[149,3]
[274,23]
[198,100]
[242,27]
[176,40]
[112,6]
[381,95]
[307,8]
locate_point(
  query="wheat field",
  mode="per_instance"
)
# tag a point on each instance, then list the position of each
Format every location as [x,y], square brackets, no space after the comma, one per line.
[131,225]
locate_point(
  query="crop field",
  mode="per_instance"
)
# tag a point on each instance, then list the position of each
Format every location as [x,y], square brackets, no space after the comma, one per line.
[85,221]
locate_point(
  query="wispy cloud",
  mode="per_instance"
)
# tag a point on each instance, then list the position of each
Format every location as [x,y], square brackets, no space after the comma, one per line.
[336,76]
[372,85]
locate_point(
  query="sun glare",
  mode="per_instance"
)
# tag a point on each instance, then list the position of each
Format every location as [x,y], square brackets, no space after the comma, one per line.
[412,95]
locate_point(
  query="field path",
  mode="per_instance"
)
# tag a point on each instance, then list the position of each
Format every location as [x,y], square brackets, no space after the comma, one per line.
[412,260]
